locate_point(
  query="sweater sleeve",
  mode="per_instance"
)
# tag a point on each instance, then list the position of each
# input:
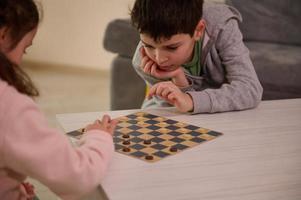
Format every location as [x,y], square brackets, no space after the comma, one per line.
[32,148]
[242,89]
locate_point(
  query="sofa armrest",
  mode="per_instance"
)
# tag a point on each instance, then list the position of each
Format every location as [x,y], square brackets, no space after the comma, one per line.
[127,88]
[121,38]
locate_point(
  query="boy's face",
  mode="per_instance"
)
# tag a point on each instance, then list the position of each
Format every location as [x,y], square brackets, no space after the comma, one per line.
[169,54]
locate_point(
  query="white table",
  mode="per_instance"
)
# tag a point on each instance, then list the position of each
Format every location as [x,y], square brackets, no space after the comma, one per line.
[258,157]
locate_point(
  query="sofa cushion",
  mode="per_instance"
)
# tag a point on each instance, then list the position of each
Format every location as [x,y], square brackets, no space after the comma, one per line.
[278,67]
[270,20]
[121,37]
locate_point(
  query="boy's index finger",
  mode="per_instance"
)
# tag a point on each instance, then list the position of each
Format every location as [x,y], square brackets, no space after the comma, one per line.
[152,91]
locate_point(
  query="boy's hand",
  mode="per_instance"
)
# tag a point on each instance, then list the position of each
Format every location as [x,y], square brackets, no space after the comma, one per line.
[106,124]
[150,67]
[173,95]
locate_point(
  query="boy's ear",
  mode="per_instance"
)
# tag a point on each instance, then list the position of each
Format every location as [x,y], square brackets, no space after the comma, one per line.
[199,30]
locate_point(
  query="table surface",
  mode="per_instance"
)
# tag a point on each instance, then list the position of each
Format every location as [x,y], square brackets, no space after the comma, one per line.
[258,157]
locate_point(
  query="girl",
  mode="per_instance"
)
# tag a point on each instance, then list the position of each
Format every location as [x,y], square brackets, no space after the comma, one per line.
[27,146]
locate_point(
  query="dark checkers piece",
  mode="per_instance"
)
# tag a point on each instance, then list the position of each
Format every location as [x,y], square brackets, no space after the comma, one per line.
[147,142]
[126,142]
[213,133]
[149,157]
[125,149]
[126,136]
[173,149]
[75,133]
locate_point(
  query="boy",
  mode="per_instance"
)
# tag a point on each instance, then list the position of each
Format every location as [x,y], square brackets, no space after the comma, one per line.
[192,57]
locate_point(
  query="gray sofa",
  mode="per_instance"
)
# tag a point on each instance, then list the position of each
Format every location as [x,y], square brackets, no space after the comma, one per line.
[271,31]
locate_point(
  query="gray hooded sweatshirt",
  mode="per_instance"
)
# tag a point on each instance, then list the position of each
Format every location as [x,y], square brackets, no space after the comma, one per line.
[228,81]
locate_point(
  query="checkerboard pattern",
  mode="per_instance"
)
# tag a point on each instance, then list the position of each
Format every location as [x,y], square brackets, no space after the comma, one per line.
[151,138]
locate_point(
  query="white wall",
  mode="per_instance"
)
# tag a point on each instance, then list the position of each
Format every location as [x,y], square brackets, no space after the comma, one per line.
[72,31]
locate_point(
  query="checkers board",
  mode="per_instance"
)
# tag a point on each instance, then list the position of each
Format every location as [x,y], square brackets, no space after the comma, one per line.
[151,138]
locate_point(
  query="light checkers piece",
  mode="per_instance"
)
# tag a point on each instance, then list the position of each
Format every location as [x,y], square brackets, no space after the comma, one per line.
[151,138]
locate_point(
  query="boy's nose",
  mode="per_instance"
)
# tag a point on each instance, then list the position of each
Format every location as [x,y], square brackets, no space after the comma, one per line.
[160,58]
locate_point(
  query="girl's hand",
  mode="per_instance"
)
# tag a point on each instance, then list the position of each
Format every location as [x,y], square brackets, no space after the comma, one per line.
[172,94]
[106,124]
[27,190]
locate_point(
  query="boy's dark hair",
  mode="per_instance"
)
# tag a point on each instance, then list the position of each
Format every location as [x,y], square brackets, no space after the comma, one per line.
[165,18]
[19,17]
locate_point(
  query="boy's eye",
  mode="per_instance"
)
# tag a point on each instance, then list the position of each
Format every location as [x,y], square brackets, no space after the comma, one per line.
[148,46]
[172,48]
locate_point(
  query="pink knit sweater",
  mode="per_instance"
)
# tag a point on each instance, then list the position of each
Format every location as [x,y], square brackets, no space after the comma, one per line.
[28,147]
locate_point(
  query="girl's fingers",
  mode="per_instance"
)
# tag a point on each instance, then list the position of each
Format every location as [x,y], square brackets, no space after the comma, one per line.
[97,121]
[106,124]
[106,119]
[113,125]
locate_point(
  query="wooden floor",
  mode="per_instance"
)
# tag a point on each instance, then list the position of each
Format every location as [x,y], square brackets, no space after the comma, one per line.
[67,90]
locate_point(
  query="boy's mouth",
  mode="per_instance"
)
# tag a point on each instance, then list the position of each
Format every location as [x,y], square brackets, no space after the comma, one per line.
[168,68]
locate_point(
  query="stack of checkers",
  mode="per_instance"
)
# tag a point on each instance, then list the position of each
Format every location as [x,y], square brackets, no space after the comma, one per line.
[151,138]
